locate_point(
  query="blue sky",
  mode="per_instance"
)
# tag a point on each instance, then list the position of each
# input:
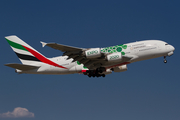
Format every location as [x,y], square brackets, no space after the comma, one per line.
[149,90]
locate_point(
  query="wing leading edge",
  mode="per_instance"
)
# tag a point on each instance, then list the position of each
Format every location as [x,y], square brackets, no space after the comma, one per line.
[61,47]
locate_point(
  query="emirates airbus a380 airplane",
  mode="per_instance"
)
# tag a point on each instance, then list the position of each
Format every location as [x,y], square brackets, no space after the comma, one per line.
[93,62]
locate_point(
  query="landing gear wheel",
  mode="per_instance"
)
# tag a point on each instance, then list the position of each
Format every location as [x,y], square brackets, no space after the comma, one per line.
[99,70]
[165,61]
[103,75]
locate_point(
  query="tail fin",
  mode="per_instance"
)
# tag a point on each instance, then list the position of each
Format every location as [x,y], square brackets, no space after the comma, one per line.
[25,52]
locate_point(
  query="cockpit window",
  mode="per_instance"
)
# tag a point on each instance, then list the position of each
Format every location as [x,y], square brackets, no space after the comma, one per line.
[166,44]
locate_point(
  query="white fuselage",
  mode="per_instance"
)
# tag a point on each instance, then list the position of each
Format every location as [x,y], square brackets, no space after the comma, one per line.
[138,51]
[148,49]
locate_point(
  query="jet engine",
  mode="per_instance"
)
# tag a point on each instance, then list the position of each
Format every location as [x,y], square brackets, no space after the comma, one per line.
[108,71]
[114,57]
[121,68]
[93,53]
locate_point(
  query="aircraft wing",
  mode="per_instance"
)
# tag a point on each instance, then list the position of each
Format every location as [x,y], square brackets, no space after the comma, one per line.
[78,55]
[61,47]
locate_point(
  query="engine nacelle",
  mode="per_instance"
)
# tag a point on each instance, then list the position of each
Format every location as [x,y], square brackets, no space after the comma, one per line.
[93,53]
[114,57]
[108,71]
[121,68]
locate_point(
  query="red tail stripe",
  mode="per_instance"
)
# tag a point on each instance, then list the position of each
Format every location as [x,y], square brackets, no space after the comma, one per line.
[42,58]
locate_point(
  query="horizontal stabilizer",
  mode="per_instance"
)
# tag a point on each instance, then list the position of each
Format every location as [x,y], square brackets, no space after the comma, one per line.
[21,66]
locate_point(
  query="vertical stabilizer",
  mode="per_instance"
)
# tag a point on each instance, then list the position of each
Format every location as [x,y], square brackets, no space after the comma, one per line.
[25,52]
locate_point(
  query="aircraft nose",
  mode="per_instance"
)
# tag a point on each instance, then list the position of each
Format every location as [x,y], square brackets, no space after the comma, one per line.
[172,48]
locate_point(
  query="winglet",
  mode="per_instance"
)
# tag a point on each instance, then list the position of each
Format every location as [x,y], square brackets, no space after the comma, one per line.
[43,43]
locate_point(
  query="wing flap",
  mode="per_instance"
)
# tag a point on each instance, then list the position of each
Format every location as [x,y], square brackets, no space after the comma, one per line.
[21,66]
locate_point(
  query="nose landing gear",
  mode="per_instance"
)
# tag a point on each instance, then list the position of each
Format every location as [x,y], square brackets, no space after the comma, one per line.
[165,61]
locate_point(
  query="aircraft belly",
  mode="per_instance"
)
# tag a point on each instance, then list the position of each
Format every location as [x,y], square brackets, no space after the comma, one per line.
[47,69]
[112,63]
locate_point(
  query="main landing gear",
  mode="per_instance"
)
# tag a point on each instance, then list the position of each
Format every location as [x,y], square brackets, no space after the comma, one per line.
[95,73]
[165,61]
